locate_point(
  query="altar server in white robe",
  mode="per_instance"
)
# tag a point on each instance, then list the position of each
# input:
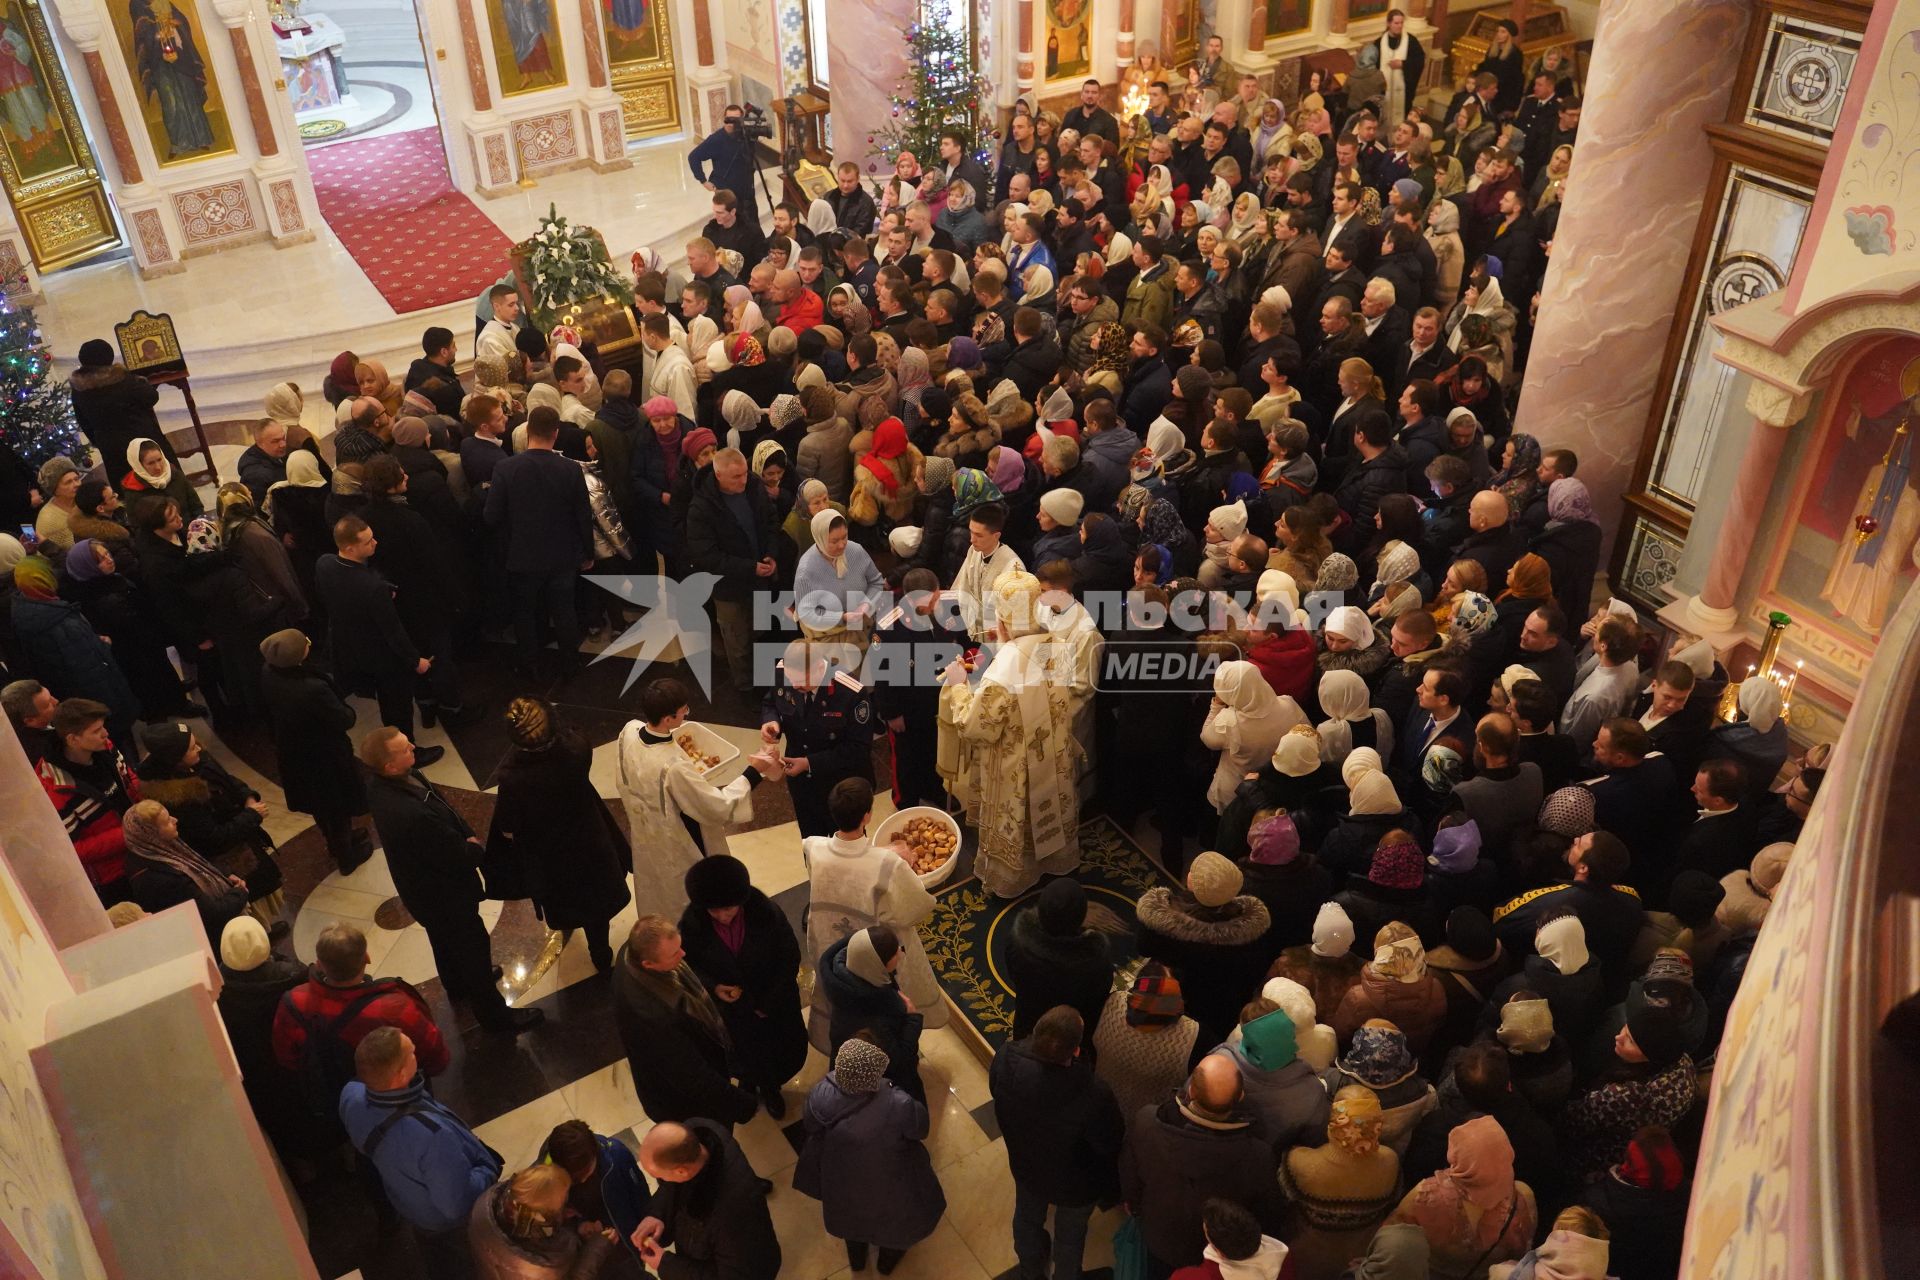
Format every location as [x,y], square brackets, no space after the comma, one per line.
[675,816]
[852,884]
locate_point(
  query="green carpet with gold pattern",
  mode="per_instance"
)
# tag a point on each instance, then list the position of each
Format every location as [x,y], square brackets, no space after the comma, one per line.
[966,938]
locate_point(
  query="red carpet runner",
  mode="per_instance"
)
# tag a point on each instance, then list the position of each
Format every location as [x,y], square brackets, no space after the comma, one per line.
[390,201]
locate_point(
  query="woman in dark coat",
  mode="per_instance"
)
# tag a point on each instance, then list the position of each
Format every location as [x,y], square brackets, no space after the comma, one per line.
[310,723]
[114,407]
[858,973]
[62,648]
[252,981]
[744,950]
[1053,958]
[118,611]
[556,829]
[1291,883]
[221,817]
[1214,939]
[162,871]
[866,1161]
[1570,544]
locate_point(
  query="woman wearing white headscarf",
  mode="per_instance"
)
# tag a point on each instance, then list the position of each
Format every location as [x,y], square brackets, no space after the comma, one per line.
[1352,721]
[1759,741]
[821,219]
[836,584]
[1244,723]
[539,395]
[1449,252]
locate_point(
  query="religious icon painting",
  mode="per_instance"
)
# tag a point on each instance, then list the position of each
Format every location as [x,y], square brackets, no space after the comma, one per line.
[36,138]
[46,168]
[526,45]
[178,94]
[640,64]
[1285,17]
[630,31]
[1069,39]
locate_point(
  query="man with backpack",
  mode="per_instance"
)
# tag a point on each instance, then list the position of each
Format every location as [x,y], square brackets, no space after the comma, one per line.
[320,1023]
[431,1165]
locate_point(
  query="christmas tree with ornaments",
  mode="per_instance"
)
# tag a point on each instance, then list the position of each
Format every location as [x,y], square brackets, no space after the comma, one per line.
[940,90]
[36,412]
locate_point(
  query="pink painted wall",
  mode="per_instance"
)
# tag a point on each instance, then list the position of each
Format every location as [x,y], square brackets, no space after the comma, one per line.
[866,55]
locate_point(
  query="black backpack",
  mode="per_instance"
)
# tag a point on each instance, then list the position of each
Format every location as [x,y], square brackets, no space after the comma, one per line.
[326,1060]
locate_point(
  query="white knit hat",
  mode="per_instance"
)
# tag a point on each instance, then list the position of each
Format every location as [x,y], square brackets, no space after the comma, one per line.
[1064,505]
[244,945]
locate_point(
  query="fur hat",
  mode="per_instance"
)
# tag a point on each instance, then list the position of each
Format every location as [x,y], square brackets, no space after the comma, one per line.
[718,881]
[1213,880]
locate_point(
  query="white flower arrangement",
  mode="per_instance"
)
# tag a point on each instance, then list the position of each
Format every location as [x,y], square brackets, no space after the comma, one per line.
[569,265]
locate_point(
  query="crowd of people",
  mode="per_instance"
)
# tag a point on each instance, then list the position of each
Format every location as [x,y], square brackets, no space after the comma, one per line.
[1463,872]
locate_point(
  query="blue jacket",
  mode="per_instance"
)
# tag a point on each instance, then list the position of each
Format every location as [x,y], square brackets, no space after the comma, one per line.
[431,1165]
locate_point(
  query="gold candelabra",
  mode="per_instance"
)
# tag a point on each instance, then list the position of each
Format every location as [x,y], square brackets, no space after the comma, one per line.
[1769,667]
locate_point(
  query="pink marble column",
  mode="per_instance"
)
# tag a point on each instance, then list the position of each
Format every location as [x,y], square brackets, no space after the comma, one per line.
[117,138]
[470,52]
[1733,545]
[596,53]
[1023,70]
[1338,23]
[1626,228]
[256,99]
[1123,50]
[866,46]
[1257,27]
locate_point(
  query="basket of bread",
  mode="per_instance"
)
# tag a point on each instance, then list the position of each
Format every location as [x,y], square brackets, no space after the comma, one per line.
[928,838]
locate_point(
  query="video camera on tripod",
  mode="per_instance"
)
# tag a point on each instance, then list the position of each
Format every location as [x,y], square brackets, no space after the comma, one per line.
[753,123]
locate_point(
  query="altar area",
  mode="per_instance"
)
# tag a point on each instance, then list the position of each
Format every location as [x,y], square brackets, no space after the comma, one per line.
[281,314]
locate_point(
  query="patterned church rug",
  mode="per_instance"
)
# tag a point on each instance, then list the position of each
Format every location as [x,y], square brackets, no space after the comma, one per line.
[966,938]
[389,199]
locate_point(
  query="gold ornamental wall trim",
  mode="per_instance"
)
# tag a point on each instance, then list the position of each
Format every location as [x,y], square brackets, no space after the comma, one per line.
[46,165]
[641,67]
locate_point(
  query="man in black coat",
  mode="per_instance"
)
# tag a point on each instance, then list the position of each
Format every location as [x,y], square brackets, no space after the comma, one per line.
[1267,340]
[264,464]
[1722,839]
[1149,383]
[433,857]
[1639,800]
[1064,1132]
[675,1039]
[415,558]
[1382,470]
[1423,354]
[735,225]
[310,723]
[1036,357]
[370,648]
[709,1205]
[1192,1147]
[1088,116]
[1054,959]
[730,530]
[1609,911]
[538,500]
[1495,543]
[1677,721]
[432,374]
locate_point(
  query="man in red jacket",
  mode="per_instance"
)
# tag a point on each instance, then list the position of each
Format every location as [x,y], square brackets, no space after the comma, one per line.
[800,307]
[90,786]
[340,1000]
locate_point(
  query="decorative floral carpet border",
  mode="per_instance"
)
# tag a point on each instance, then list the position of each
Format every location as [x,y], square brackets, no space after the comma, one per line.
[966,938]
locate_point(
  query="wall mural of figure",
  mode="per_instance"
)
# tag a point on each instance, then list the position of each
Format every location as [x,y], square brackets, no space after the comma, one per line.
[172,71]
[177,90]
[26,117]
[1861,464]
[627,19]
[526,45]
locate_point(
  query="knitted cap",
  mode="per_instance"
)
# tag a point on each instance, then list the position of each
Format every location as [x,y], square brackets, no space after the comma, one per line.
[1154,1000]
[1470,933]
[1213,880]
[95,353]
[1064,505]
[819,402]
[660,407]
[859,1066]
[166,742]
[285,648]
[1652,1162]
[244,945]
[721,880]
[1656,1019]
[1400,865]
[1274,841]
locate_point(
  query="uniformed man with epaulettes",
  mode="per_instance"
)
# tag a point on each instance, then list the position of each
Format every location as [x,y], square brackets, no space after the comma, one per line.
[828,718]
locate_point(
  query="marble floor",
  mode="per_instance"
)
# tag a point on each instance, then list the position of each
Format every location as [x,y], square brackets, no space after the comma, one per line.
[573,1066]
[387,97]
